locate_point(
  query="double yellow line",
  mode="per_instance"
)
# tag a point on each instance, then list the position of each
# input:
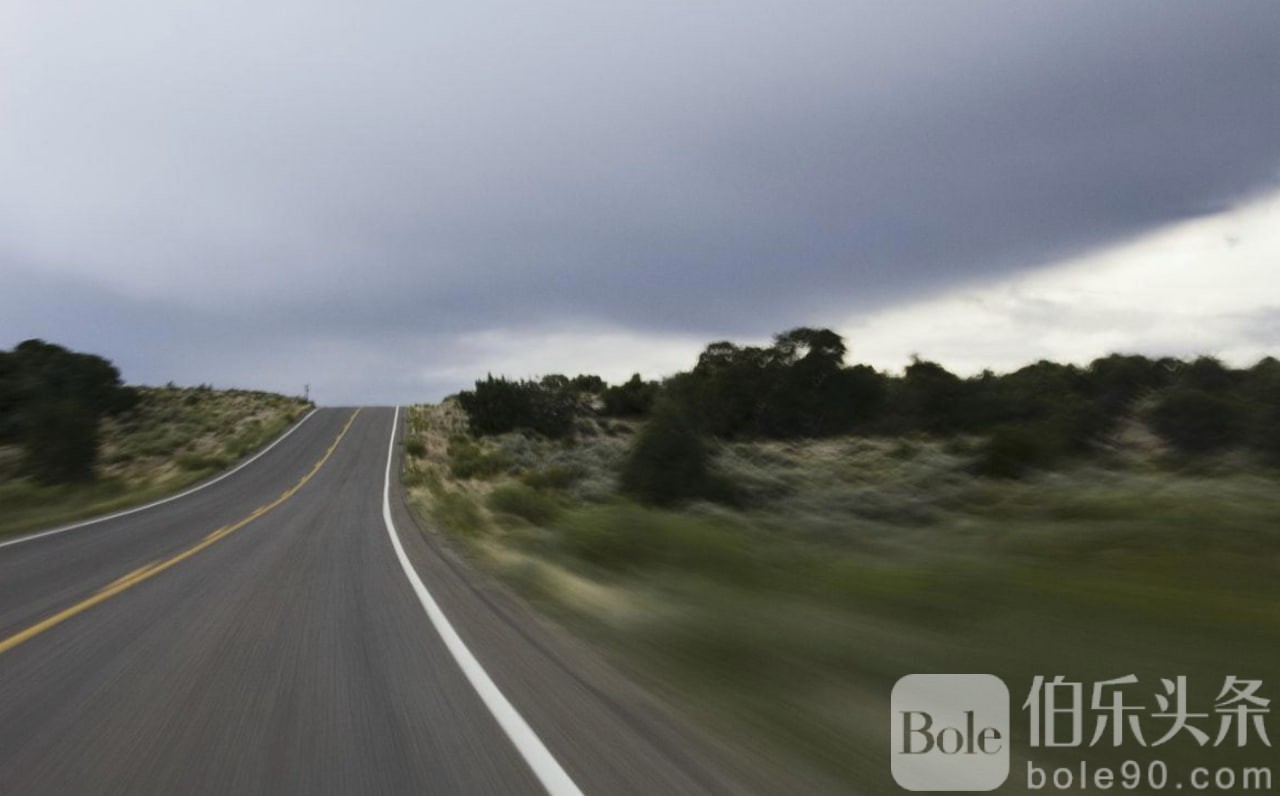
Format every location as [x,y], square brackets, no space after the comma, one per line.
[148,571]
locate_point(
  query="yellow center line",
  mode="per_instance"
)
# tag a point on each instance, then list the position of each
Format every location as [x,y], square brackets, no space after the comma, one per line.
[148,571]
[131,576]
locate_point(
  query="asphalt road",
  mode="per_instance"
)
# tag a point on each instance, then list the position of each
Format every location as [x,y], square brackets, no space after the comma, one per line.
[262,635]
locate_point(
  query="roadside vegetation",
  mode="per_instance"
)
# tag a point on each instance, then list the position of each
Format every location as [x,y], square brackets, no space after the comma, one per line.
[76,442]
[774,538]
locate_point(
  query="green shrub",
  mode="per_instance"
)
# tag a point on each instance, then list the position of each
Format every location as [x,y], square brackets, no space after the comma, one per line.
[556,476]
[415,448]
[668,463]
[525,502]
[1012,453]
[466,460]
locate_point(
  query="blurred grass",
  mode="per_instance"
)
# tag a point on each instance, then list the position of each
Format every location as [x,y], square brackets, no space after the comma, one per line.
[174,437]
[849,563]
[525,502]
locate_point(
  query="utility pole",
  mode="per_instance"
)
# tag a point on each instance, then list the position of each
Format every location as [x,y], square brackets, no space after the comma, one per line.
[306,392]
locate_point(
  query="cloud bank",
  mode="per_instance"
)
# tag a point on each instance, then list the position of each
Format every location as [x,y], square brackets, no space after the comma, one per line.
[372,198]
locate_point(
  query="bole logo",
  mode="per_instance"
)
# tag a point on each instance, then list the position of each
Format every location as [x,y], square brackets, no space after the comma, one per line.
[950,732]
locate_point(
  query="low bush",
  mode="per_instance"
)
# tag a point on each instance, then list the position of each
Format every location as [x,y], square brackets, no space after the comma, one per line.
[1012,453]
[415,448]
[556,476]
[467,460]
[669,461]
[459,514]
[525,502]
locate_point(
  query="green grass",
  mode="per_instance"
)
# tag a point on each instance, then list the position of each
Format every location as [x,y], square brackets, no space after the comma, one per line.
[523,501]
[797,644]
[172,439]
[787,618]
[460,514]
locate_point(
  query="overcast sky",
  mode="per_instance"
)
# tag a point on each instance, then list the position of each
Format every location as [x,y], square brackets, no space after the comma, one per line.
[386,200]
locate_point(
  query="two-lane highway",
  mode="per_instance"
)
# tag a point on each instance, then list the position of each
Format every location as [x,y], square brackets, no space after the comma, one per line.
[265,635]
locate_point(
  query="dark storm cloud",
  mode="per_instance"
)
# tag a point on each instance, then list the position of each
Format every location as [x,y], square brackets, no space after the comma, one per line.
[1084,131]
[205,186]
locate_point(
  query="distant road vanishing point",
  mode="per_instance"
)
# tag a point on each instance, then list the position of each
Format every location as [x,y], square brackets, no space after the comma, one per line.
[287,629]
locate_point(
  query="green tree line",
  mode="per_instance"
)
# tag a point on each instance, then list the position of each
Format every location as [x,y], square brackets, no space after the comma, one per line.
[800,386]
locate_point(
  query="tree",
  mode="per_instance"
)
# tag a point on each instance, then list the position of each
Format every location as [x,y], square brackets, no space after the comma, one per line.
[1260,388]
[497,406]
[932,396]
[10,398]
[716,355]
[1116,380]
[815,345]
[587,383]
[633,398]
[1207,374]
[51,401]
[1195,421]
[724,394]
[803,393]
[61,442]
[795,387]
[555,382]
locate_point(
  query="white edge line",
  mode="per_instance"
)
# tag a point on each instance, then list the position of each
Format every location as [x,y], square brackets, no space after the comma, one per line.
[136,509]
[526,741]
